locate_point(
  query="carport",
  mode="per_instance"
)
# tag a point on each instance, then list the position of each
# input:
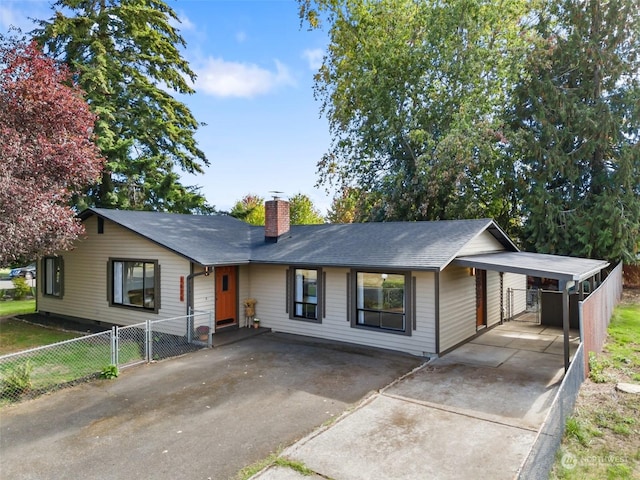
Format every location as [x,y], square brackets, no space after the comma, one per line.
[568,271]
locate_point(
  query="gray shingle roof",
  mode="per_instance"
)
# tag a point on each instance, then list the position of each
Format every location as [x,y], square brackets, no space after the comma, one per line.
[411,245]
[220,240]
[204,239]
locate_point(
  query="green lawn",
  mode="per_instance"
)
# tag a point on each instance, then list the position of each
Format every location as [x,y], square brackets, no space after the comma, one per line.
[602,437]
[60,363]
[17,307]
[70,361]
[16,335]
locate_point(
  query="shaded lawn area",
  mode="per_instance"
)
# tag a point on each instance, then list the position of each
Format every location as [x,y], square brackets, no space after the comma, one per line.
[16,335]
[17,307]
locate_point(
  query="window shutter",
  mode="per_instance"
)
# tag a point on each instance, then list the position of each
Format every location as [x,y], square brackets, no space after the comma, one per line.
[62,281]
[349,306]
[413,302]
[42,275]
[109,282]
[158,298]
[288,290]
[324,294]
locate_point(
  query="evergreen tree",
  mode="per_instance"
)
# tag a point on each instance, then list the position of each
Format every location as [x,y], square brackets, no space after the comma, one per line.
[125,55]
[579,120]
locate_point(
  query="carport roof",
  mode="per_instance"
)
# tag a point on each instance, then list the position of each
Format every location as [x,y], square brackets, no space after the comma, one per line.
[556,267]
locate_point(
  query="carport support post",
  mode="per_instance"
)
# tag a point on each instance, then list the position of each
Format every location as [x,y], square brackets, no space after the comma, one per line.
[565,321]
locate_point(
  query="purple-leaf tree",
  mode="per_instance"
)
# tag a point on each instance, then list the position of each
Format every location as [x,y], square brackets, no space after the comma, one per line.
[46,152]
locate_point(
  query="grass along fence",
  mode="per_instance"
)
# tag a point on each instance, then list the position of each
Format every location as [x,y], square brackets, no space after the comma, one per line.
[37,370]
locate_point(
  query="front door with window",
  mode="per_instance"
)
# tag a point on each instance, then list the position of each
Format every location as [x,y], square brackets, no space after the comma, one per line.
[226,297]
[481,298]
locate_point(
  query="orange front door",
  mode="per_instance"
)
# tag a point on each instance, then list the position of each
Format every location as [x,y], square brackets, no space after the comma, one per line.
[481,298]
[226,296]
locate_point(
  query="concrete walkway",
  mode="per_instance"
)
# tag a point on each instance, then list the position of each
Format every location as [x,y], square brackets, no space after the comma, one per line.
[474,413]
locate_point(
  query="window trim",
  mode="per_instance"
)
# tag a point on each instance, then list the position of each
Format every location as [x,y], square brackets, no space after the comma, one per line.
[291,294]
[156,283]
[60,262]
[352,301]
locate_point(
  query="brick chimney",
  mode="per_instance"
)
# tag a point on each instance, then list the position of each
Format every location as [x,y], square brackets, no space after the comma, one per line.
[276,219]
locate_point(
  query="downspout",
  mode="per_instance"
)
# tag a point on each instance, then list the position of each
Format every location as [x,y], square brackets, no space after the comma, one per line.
[502,298]
[190,277]
[437,308]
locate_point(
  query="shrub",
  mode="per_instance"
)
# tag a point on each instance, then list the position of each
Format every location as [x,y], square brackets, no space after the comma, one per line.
[17,381]
[21,288]
[109,372]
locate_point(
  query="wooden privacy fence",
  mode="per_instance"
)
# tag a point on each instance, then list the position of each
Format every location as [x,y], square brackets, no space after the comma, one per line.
[595,314]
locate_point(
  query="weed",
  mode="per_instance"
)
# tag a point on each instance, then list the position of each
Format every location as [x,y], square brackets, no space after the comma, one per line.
[618,472]
[250,470]
[575,428]
[109,372]
[597,366]
[293,465]
[17,381]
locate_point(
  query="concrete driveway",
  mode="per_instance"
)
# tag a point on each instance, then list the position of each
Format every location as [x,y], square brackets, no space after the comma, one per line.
[205,415]
[474,413]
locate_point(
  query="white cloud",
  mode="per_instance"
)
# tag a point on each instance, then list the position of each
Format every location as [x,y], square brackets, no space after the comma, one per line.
[313,58]
[185,23]
[241,36]
[221,78]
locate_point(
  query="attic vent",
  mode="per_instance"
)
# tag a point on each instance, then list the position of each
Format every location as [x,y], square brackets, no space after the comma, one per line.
[100,225]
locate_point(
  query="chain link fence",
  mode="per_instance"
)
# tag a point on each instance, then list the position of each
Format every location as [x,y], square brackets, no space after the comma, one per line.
[523,305]
[541,458]
[29,373]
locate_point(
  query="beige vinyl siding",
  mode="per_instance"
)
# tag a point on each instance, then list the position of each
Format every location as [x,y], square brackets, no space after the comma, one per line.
[493,298]
[518,284]
[204,294]
[457,306]
[243,293]
[268,287]
[86,273]
[483,243]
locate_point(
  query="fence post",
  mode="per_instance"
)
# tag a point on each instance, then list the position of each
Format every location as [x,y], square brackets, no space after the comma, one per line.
[149,338]
[210,337]
[190,323]
[114,345]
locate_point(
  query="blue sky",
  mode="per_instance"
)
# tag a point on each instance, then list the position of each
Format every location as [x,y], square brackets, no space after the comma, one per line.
[255,68]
